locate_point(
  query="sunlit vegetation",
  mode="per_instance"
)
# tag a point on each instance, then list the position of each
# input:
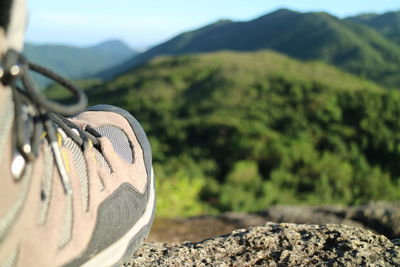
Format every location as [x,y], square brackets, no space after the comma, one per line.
[366,48]
[241,131]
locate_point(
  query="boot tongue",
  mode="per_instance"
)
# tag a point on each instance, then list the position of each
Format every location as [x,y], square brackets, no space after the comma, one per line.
[16,28]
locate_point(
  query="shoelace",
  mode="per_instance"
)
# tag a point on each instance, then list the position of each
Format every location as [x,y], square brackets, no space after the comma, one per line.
[35,115]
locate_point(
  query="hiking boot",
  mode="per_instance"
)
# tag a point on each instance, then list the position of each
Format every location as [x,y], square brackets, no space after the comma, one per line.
[76,191]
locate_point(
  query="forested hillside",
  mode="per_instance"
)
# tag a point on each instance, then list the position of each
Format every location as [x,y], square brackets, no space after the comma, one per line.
[349,45]
[240,131]
[387,24]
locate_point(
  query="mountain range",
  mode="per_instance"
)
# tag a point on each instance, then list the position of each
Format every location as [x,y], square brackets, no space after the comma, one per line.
[76,62]
[366,45]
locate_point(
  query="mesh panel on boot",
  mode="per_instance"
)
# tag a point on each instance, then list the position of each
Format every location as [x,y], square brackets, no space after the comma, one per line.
[119,140]
[47,184]
[103,162]
[80,167]
[6,117]
[66,233]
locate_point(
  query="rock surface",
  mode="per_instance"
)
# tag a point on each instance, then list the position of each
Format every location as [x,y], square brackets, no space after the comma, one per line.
[379,217]
[277,245]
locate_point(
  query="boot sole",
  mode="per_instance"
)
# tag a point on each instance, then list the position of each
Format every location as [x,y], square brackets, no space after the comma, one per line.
[121,251]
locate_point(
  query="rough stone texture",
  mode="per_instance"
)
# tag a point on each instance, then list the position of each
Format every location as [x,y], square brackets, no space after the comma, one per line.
[277,245]
[382,218]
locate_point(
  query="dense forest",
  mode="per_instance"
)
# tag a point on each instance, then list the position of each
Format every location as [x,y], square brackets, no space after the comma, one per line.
[247,128]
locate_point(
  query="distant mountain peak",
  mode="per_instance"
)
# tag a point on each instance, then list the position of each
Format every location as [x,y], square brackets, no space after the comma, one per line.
[309,36]
[366,16]
[284,14]
[112,44]
[222,21]
[79,62]
[283,11]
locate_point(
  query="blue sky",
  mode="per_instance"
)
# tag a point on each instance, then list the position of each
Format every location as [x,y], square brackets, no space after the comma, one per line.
[143,24]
